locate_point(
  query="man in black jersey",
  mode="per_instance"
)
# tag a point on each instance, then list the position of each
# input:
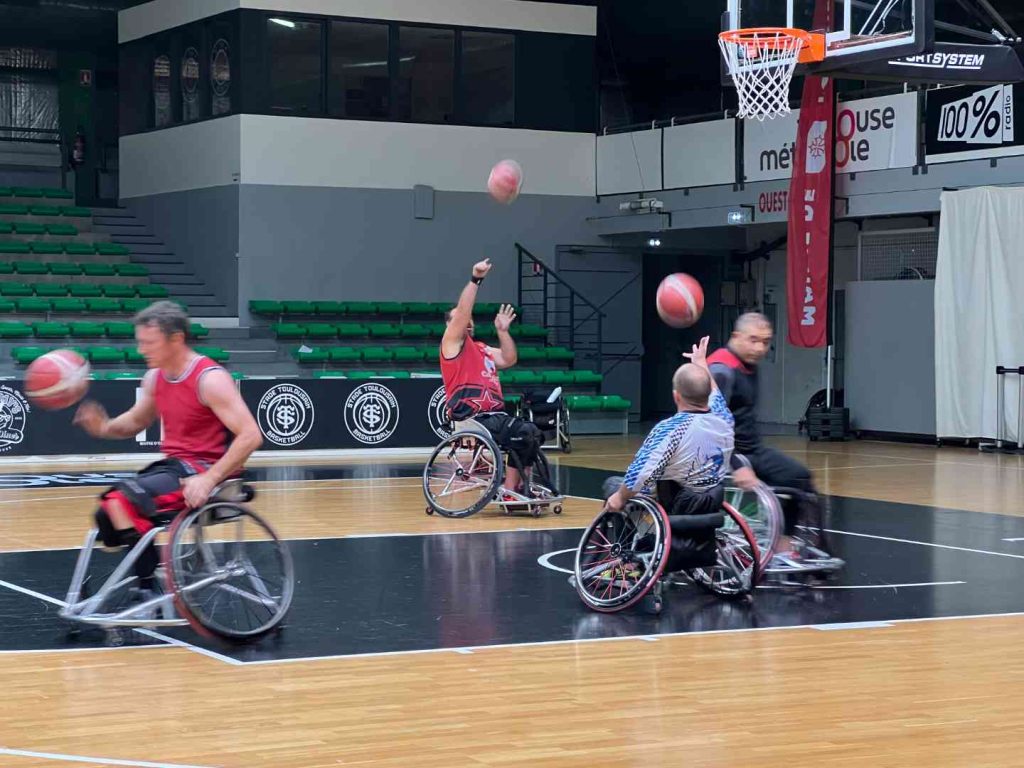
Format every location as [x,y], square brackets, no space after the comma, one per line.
[735,370]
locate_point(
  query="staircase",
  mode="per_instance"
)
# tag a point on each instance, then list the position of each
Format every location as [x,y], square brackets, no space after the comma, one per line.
[165,268]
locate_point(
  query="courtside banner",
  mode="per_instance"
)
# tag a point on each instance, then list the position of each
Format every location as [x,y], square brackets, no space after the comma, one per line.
[972,123]
[871,135]
[810,216]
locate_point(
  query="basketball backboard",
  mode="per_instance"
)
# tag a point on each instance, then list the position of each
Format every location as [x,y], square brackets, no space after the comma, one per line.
[857,30]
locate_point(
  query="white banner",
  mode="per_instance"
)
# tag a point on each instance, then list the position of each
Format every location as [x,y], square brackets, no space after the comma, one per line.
[700,155]
[871,135]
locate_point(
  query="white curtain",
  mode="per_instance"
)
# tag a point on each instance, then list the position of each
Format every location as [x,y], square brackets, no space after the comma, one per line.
[979,309]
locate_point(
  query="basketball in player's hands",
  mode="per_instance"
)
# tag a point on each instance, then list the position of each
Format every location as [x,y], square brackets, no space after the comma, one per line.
[680,300]
[57,380]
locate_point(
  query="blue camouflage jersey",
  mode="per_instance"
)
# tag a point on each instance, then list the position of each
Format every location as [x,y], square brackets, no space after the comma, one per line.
[693,449]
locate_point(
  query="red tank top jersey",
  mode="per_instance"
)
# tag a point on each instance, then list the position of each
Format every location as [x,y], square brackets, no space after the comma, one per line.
[191,430]
[471,381]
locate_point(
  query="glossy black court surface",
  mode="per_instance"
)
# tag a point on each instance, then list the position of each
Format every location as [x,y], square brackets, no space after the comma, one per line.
[361,595]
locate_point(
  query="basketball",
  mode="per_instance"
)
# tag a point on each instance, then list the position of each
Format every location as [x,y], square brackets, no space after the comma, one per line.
[505,181]
[680,300]
[57,380]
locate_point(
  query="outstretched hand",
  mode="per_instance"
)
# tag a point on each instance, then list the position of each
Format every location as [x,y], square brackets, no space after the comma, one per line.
[699,355]
[481,268]
[505,317]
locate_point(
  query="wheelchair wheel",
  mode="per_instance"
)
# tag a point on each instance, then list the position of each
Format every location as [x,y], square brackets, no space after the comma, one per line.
[232,577]
[739,568]
[622,555]
[463,475]
[763,513]
[811,537]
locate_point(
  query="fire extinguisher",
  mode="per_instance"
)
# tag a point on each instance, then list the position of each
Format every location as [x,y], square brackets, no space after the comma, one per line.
[78,149]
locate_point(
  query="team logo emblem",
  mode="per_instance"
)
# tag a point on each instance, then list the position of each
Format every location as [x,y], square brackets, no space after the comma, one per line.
[371,413]
[14,409]
[437,415]
[285,415]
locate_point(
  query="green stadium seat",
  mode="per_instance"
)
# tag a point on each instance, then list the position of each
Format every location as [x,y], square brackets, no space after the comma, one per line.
[329,375]
[559,354]
[299,307]
[64,268]
[53,193]
[528,331]
[51,330]
[321,331]
[440,307]
[419,308]
[329,308]
[436,330]
[25,355]
[68,306]
[344,355]
[407,355]
[132,270]
[62,230]
[394,375]
[486,331]
[120,330]
[106,355]
[531,378]
[360,375]
[6,228]
[30,267]
[415,331]
[313,356]
[29,228]
[376,354]
[112,249]
[391,308]
[85,330]
[266,307]
[6,192]
[15,246]
[351,330]
[486,308]
[85,290]
[214,353]
[32,305]
[79,249]
[615,403]
[152,292]
[531,354]
[99,270]
[132,355]
[50,290]
[587,378]
[13,209]
[6,268]
[558,378]
[112,291]
[289,330]
[75,212]
[583,403]
[135,305]
[383,329]
[26,191]
[45,210]
[6,305]
[15,330]
[96,304]
[15,289]
[360,308]
[199,331]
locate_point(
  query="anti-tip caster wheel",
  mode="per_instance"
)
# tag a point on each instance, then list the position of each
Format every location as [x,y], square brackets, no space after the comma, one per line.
[557,509]
[429,510]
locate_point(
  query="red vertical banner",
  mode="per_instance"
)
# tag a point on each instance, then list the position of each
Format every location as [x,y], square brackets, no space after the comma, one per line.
[810,216]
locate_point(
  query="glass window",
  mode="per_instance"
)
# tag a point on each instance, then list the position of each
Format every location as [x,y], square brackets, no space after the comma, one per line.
[488,78]
[162,116]
[190,104]
[426,74]
[359,84]
[296,81]
[220,77]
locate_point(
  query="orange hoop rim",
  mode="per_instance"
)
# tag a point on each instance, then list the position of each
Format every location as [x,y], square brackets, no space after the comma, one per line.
[812,44]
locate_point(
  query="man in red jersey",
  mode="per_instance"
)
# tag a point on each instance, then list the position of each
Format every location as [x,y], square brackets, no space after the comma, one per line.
[470,371]
[208,433]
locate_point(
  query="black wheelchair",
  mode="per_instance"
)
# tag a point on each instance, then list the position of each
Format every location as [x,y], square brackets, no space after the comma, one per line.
[465,474]
[546,408]
[225,572]
[623,555]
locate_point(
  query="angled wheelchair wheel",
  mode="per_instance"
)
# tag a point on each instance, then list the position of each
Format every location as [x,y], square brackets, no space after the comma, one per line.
[811,538]
[622,555]
[463,475]
[232,577]
[738,568]
[761,509]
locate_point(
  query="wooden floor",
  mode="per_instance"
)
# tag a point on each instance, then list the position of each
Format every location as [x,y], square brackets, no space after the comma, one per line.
[928,693]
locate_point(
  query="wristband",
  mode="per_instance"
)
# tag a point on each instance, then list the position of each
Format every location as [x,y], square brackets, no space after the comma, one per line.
[476,280]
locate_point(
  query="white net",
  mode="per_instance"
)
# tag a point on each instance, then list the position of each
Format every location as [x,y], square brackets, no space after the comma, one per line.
[761,63]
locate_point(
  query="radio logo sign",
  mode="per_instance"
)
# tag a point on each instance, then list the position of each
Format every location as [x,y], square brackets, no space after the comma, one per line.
[371,413]
[285,415]
[983,118]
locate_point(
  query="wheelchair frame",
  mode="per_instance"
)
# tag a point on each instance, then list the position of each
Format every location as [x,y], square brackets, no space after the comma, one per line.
[170,606]
[544,495]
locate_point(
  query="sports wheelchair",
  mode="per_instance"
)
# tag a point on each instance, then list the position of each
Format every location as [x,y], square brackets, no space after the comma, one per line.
[622,556]
[465,474]
[548,411]
[226,573]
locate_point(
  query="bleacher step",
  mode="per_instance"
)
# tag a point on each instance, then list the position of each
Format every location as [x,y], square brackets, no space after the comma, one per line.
[164,256]
[197,289]
[138,238]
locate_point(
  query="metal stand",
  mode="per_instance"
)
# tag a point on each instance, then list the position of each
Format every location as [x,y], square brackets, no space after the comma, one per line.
[1002,444]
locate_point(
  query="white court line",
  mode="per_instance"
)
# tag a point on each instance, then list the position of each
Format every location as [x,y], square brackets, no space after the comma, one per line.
[868,586]
[927,544]
[1019,539]
[91,760]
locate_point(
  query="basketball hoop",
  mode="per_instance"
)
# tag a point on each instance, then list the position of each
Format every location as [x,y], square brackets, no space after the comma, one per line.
[761,62]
